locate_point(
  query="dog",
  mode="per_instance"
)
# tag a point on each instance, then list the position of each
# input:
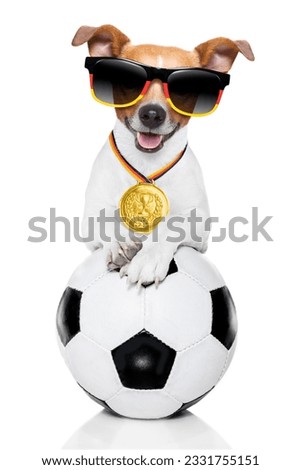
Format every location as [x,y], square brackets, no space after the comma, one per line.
[150,132]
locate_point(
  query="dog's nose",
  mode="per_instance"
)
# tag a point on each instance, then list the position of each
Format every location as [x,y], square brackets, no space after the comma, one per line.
[152,115]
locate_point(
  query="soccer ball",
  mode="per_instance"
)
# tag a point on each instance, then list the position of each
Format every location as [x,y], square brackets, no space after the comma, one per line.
[149,352]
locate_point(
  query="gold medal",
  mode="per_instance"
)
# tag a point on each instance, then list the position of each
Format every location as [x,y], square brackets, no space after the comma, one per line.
[143,206]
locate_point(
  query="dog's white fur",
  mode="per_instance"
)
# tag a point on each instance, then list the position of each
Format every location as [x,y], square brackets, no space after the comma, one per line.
[183,185]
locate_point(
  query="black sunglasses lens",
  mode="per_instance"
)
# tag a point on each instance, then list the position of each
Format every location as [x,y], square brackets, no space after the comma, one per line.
[118,82]
[194,91]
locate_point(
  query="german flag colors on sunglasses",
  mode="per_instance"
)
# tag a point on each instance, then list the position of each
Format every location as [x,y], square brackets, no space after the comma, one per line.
[122,83]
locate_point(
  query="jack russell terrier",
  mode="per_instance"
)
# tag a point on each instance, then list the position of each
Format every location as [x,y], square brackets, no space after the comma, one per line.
[155,90]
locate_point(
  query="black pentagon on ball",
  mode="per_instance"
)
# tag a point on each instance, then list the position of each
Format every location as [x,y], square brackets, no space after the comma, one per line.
[143,362]
[173,268]
[224,323]
[68,315]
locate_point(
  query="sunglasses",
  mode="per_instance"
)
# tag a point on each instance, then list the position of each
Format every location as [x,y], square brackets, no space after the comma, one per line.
[122,83]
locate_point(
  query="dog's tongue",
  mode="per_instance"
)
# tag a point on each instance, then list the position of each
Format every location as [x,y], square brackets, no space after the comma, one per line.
[149,141]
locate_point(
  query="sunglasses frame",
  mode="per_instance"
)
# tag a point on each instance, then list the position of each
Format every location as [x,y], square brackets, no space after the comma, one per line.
[152,74]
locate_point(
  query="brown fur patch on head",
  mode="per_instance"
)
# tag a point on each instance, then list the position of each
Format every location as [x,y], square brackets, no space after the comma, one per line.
[160,56]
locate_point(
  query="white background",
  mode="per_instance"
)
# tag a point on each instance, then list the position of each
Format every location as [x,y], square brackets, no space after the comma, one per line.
[249,151]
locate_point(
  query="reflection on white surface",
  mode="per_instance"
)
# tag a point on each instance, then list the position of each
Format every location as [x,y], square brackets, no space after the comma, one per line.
[107,431]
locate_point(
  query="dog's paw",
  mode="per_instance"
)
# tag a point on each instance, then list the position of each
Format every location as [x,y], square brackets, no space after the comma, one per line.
[149,265]
[119,254]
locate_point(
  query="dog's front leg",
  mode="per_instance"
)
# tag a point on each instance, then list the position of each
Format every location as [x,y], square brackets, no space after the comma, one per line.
[152,262]
[103,229]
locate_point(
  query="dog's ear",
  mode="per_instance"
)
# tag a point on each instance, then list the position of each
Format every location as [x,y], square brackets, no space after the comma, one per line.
[103,41]
[219,53]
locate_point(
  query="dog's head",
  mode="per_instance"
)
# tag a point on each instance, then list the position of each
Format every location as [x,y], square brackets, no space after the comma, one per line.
[152,119]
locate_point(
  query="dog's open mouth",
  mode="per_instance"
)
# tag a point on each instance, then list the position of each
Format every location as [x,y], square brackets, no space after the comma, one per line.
[149,142]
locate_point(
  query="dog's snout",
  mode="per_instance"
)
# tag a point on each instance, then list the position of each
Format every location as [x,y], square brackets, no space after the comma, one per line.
[152,115]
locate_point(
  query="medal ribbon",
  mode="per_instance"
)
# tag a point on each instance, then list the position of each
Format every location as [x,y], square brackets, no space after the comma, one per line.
[135,173]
